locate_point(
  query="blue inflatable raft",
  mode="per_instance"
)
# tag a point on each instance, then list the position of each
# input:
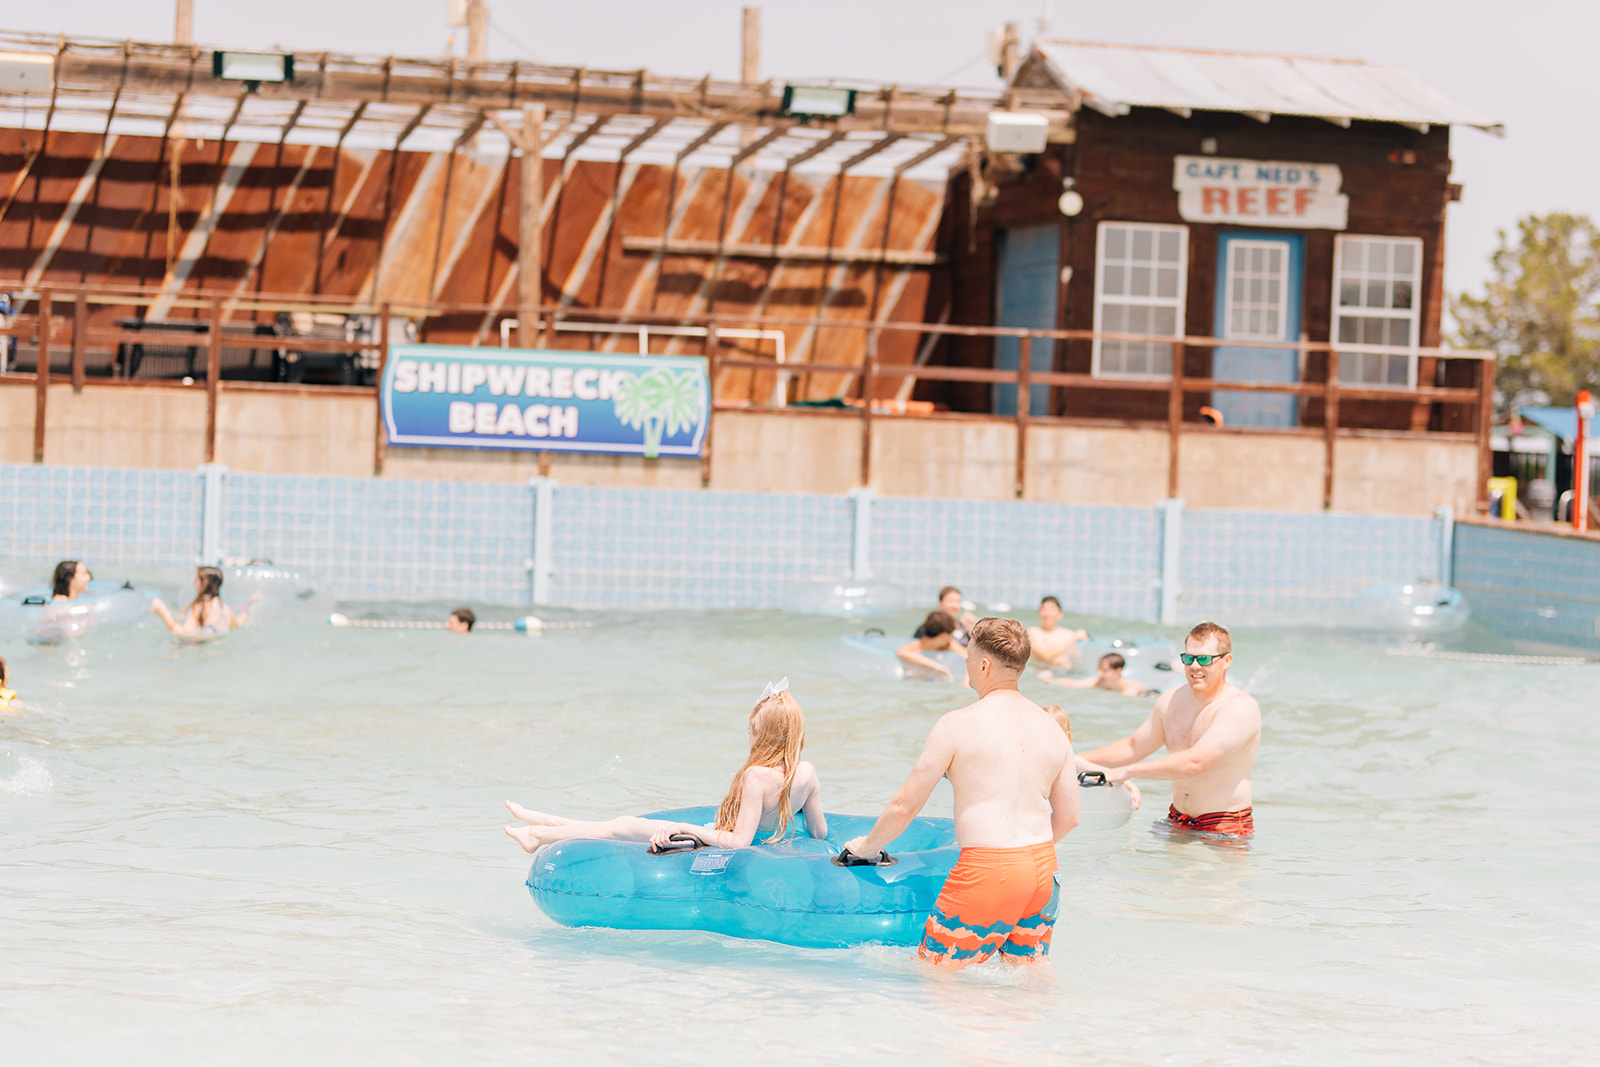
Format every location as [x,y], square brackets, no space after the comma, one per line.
[789,891]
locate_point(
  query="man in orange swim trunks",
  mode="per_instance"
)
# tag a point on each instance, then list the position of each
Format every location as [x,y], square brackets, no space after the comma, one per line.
[1211,731]
[1016,795]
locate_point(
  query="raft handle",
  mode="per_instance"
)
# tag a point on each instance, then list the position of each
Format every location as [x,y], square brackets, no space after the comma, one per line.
[1092,778]
[30,600]
[846,858]
[678,843]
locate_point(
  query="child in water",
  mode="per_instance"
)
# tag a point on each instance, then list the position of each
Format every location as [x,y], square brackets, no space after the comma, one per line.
[207,616]
[1063,720]
[773,782]
[8,697]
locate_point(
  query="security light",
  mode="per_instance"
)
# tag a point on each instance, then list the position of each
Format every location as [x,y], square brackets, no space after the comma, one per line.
[818,100]
[1021,132]
[252,68]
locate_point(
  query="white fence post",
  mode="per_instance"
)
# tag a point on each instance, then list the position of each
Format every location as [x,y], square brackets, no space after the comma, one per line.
[213,477]
[861,535]
[1171,558]
[543,526]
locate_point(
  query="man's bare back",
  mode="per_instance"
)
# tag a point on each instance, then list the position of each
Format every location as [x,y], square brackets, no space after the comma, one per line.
[1006,757]
[1210,729]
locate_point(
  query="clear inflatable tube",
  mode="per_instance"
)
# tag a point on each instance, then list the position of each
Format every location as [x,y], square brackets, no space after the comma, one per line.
[788,891]
[40,619]
[875,655]
[1415,607]
[1151,661]
[844,597]
[273,593]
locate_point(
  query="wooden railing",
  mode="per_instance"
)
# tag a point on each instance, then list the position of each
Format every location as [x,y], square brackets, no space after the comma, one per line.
[863,377]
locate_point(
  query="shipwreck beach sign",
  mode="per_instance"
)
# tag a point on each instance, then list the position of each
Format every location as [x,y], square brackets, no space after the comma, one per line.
[446,396]
[1259,192]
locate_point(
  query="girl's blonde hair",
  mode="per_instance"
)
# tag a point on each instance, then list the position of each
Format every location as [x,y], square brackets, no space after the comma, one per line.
[778,737]
[1063,720]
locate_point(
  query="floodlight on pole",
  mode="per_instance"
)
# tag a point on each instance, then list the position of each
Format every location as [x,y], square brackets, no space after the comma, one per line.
[252,68]
[806,101]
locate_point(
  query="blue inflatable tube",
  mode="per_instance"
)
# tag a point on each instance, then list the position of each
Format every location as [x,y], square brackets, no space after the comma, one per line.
[790,891]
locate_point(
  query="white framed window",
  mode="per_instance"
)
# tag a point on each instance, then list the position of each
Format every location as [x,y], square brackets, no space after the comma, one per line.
[1377,295]
[1141,274]
[1257,301]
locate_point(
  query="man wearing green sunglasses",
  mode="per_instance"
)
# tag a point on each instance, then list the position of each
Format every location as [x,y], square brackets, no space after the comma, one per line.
[1211,731]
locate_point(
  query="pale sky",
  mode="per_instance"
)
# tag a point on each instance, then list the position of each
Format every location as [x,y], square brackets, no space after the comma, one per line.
[1524,65]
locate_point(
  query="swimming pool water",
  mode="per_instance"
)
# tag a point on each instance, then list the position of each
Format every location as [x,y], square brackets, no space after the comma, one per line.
[287,845]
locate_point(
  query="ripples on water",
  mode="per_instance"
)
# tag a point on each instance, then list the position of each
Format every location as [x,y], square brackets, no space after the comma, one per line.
[287,845]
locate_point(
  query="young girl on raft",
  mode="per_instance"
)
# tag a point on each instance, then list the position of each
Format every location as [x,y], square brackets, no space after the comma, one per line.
[207,616]
[766,791]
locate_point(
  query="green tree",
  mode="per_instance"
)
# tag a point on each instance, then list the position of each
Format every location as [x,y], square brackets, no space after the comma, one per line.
[1538,312]
[660,402]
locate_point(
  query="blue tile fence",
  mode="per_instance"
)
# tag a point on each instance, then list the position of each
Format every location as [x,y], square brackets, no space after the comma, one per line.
[1530,586]
[609,547]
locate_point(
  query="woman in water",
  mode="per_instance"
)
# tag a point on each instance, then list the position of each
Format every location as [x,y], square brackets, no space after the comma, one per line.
[207,616]
[765,793]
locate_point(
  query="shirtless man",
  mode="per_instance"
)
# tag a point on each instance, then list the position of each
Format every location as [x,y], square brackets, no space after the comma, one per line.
[1108,676]
[1054,646]
[1016,795]
[1211,731]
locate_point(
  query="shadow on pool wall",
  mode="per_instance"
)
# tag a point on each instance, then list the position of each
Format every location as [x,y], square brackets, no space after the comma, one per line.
[598,547]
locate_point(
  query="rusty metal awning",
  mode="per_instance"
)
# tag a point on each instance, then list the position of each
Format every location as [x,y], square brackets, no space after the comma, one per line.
[133,88]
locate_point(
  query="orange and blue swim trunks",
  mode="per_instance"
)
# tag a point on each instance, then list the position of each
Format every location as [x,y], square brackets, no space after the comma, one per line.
[1240,823]
[1001,900]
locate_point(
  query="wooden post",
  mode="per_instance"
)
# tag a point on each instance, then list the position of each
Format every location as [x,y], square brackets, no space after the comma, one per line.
[750,46]
[41,375]
[711,404]
[1485,428]
[80,327]
[380,438]
[530,226]
[477,30]
[1024,378]
[1330,428]
[869,378]
[1174,419]
[213,378]
[183,23]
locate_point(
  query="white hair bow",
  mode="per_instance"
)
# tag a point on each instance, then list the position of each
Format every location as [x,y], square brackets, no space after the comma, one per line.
[774,688]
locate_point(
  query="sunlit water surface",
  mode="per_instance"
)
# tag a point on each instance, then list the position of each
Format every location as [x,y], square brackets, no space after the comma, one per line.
[286,847]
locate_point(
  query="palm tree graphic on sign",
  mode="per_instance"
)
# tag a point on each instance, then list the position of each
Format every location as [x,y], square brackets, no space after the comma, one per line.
[660,402]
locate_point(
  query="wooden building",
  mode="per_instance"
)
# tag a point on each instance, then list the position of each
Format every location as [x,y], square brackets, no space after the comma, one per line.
[1213,195]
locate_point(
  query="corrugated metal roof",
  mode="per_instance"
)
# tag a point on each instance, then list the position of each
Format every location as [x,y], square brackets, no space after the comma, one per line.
[1113,78]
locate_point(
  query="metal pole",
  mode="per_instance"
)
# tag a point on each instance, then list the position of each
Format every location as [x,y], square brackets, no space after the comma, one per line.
[1174,418]
[213,379]
[711,405]
[1580,464]
[41,374]
[1330,428]
[1024,389]
[380,440]
[530,227]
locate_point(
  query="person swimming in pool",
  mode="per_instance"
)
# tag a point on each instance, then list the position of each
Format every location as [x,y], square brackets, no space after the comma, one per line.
[1063,720]
[207,616]
[1016,795]
[1053,644]
[1211,731]
[461,621]
[8,697]
[70,580]
[1108,676]
[773,783]
[936,634]
[961,620]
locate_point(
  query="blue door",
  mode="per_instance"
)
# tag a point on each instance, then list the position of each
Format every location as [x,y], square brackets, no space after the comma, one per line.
[1030,269]
[1258,299]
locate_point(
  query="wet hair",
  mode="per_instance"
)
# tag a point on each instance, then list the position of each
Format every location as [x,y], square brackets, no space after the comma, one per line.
[937,622]
[1005,641]
[1113,660]
[778,736]
[1050,600]
[66,570]
[1207,630]
[3,672]
[1063,720]
[467,616]
[947,590]
[210,589]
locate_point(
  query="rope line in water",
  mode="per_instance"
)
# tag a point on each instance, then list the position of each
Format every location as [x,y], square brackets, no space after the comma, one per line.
[1494,657]
[529,623]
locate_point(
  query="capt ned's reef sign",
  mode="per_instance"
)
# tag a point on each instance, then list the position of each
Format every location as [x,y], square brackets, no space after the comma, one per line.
[444,396]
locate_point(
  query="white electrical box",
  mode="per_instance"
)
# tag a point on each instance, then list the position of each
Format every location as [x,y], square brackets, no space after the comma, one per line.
[26,72]
[1016,131]
[455,13]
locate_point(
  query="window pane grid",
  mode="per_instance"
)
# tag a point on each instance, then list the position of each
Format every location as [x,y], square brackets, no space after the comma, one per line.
[1139,286]
[1376,282]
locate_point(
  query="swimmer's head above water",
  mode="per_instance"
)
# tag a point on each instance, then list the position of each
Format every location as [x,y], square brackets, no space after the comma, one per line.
[777,738]
[461,621]
[71,578]
[997,654]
